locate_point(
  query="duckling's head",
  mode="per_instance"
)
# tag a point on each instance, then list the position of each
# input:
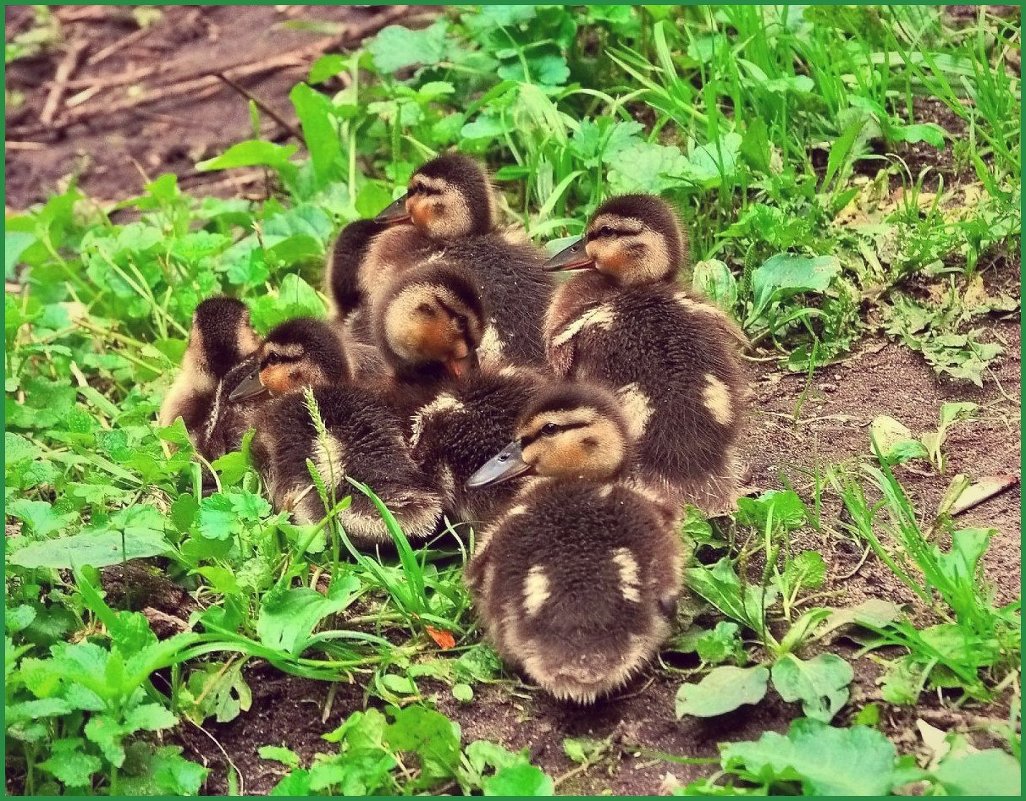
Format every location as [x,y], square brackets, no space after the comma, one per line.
[297,353]
[632,239]
[221,335]
[431,321]
[569,431]
[448,197]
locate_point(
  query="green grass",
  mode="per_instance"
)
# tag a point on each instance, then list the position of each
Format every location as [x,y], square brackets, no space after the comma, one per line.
[768,129]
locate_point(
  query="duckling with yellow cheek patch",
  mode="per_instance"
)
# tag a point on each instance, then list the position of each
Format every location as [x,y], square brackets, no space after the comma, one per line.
[672,358]
[449,212]
[221,338]
[430,328]
[364,437]
[577,584]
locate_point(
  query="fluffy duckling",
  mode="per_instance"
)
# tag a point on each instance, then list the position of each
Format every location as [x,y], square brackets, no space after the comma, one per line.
[220,338]
[577,582]
[449,211]
[430,326]
[363,438]
[671,357]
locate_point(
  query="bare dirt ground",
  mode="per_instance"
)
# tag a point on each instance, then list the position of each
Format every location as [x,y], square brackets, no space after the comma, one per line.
[799,426]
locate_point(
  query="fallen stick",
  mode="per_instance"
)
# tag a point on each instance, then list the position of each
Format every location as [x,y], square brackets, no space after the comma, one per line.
[111,49]
[60,81]
[983,490]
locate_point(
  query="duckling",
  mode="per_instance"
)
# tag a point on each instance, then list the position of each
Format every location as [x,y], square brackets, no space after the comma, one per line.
[363,438]
[341,274]
[449,211]
[430,326]
[671,357]
[220,338]
[577,583]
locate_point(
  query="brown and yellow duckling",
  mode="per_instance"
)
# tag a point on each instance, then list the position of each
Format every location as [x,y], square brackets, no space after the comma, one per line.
[430,326]
[221,337]
[577,582]
[671,357]
[449,211]
[363,438]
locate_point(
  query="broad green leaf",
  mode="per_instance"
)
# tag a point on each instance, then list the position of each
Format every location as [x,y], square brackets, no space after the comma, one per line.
[107,733]
[584,749]
[99,549]
[431,736]
[463,692]
[287,618]
[15,243]
[646,167]
[285,756]
[327,66]
[396,47]
[149,717]
[69,763]
[823,759]
[980,773]
[782,508]
[40,518]
[784,275]
[518,781]
[928,132]
[161,771]
[842,148]
[722,690]
[821,683]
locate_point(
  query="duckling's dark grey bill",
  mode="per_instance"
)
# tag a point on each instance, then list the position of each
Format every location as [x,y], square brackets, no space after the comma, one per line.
[251,387]
[572,257]
[508,463]
[395,212]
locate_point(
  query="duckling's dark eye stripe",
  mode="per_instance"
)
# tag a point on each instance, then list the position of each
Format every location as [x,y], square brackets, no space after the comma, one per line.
[527,440]
[607,230]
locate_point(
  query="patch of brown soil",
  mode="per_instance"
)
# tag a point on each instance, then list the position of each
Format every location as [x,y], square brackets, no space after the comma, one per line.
[114,154]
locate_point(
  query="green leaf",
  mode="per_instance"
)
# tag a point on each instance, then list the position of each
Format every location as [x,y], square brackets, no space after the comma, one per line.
[287,618]
[584,749]
[807,571]
[431,736]
[315,114]
[784,275]
[396,47]
[69,764]
[327,66]
[518,781]
[149,717]
[715,280]
[782,508]
[646,167]
[15,243]
[97,549]
[755,146]
[40,518]
[251,153]
[463,692]
[895,440]
[842,148]
[928,132]
[821,683]
[217,519]
[980,773]
[161,771]
[107,734]
[721,587]
[824,760]
[285,756]
[723,690]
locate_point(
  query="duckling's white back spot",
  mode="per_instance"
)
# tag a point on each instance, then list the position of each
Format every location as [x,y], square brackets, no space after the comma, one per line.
[603,317]
[536,590]
[716,398]
[444,403]
[489,352]
[636,408]
[630,581]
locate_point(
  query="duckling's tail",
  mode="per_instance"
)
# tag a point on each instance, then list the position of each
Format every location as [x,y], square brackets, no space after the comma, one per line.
[586,668]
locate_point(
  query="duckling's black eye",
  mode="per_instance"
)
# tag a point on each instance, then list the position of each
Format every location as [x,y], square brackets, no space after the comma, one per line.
[426,309]
[549,429]
[605,230]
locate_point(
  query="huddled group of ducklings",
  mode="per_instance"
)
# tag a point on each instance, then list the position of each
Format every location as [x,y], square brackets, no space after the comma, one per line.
[567,424]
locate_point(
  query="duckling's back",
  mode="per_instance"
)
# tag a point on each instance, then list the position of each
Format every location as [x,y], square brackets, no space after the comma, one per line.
[515,290]
[462,427]
[364,440]
[577,584]
[673,361]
